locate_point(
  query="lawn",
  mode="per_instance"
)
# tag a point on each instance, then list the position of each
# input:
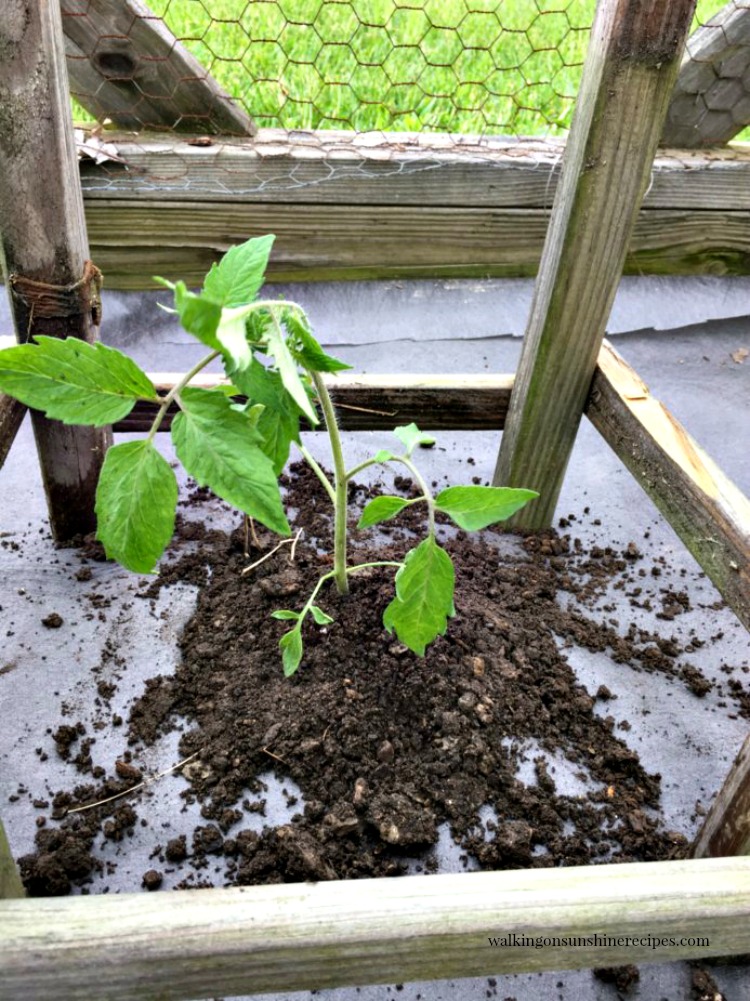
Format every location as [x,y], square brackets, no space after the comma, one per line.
[466,66]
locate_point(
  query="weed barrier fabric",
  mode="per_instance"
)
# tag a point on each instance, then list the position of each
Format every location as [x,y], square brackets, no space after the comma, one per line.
[683,693]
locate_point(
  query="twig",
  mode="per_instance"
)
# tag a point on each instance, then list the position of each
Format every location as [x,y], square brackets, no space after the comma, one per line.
[139,785]
[284,542]
[276,756]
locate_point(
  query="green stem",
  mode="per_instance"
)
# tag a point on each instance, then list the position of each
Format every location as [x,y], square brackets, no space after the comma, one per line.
[426,492]
[318,472]
[340,484]
[175,391]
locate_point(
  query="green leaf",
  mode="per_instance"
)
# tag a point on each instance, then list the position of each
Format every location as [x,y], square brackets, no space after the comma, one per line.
[424,597]
[290,645]
[383,456]
[381,509]
[232,335]
[285,614]
[305,348]
[218,448]
[278,424]
[411,436]
[199,316]
[135,505]
[73,381]
[236,279]
[289,373]
[473,508]
[320,616]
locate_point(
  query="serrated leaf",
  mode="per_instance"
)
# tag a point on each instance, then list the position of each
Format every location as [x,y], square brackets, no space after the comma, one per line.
[289,372]
[321,619]
[381,509]
[411,436]
[73,381]
[218,447]
[135,505]
[473,508]
[236,279]
[305,348]
[424,597]
[290,645]
[285,614]
[278,424]
[199,316]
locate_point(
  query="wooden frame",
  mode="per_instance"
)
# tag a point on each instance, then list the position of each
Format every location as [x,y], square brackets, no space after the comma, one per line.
[200,943]
[257,939]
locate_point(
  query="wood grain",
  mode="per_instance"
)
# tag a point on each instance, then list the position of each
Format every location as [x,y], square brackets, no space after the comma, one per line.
[12,413]
[44,233]
[125,65]
[629,73]
[709,513]
[11,886]
[255,939]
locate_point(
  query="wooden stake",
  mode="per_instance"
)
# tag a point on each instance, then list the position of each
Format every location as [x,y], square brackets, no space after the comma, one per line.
[630,69]
[44,246]
[726,829]
[10,881]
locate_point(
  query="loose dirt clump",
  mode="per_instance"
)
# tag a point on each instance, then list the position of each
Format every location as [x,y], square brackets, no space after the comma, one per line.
[489,738]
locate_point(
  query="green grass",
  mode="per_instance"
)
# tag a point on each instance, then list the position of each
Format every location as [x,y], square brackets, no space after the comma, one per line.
[463,66]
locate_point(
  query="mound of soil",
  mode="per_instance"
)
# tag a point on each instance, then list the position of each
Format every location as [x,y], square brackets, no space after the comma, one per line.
[385,746]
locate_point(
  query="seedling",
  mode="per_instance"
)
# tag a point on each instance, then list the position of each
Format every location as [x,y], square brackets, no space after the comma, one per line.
[271,357]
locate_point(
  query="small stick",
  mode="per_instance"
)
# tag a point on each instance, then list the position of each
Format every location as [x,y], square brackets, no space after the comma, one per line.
[276,756]
[140,785]
[284,542]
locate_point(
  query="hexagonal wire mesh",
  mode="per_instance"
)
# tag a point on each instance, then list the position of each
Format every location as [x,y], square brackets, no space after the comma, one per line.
[481,68]
[459,66]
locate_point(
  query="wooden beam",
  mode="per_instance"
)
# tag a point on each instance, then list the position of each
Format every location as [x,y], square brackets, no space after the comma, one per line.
[11,887]
[340,168]
[288,937]
[126,65]
[133,241]
[711,100]
[381,402]
[709,513]
[629,73]
[726,829]
[12,413]
[431,205]
[43,238]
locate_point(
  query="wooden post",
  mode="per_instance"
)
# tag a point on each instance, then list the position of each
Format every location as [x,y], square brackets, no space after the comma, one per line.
[726,829]
[44,245]
[711,100]
[10,882]
[630,69]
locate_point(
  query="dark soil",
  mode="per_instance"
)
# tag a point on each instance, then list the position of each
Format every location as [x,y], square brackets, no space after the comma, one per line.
[385,746]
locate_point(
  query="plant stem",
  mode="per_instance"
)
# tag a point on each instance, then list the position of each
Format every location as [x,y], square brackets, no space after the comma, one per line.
[426,492]
[318,472]
[174,392]
[340,484]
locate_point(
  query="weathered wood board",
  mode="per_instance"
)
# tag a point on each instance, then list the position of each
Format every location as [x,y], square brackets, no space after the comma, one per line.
[630,69]
[726,829]
[437,205]
[709,513]
[126,66]
[43,233]
[711,100]
[256,939]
